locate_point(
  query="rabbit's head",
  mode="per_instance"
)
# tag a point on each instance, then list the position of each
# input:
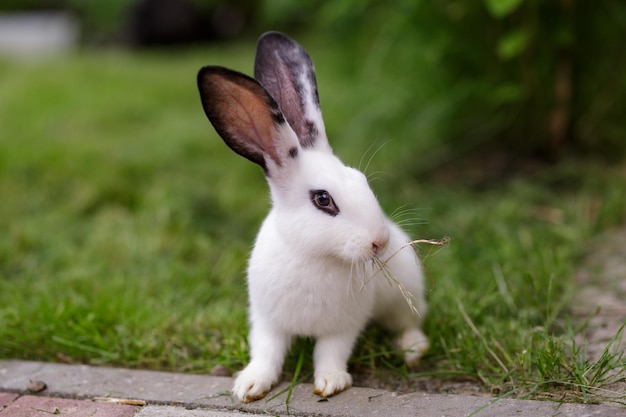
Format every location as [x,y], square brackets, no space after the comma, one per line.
[321,208]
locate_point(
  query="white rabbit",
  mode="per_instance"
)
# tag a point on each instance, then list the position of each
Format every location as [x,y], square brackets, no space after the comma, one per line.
[312,271]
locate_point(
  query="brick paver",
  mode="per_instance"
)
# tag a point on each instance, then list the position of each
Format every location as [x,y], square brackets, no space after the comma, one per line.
[6,398]
[33,406]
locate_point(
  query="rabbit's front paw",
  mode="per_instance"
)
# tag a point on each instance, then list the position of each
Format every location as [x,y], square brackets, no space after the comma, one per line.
[252,385]
[331,383]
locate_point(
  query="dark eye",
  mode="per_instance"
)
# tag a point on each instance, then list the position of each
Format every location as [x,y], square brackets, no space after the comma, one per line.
[322,200]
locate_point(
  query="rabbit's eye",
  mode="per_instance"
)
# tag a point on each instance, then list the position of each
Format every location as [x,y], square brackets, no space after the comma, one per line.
[324,201]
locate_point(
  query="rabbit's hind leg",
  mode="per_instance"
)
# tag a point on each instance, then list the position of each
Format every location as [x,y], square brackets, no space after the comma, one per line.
[414,343]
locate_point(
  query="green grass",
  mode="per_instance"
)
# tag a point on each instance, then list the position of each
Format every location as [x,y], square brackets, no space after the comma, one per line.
[125,225]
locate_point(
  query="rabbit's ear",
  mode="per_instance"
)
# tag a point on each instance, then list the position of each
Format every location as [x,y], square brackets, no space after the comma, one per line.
[247,117]
[285,69]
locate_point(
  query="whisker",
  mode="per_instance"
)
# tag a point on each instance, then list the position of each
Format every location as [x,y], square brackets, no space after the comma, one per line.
[363,265]
[369,161]
[352,276]
[374,176]
[357,275]
[398,211]
[408,224]
[363,156]
[407,212]
[401,213]
[407,218]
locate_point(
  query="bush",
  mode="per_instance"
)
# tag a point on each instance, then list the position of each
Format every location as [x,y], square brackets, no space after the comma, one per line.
[529,77]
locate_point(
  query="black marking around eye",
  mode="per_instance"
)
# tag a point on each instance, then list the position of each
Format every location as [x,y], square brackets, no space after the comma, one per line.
[322,196]
[293,152]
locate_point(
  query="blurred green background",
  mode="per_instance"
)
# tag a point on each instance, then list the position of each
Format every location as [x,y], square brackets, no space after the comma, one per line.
[530,77]
[125,222]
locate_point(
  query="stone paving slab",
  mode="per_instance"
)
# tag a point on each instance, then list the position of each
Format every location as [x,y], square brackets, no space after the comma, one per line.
[82,381]
[34,406]
[169,411]
[182,395]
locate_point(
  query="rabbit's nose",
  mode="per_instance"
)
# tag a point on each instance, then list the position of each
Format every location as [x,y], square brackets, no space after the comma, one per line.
[378,247]
[380,241]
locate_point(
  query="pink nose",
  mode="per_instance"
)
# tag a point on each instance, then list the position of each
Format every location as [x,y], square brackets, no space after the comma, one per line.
[378,247]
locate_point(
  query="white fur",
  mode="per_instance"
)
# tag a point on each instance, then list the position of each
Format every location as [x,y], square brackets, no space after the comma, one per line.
[311,274]
[312,270]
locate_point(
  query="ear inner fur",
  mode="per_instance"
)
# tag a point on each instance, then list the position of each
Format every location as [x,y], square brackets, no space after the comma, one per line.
[242,112]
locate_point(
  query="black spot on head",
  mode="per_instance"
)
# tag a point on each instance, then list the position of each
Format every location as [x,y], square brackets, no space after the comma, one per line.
[293,152]
[309,135]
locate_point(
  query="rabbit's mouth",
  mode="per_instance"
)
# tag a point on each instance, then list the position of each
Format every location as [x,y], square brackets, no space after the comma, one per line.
[364,247]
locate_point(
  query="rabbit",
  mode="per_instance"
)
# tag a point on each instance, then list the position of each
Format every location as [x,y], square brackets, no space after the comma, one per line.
[311,272]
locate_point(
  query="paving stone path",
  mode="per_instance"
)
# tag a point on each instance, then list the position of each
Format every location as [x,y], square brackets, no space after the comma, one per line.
[183,395]
[602,301]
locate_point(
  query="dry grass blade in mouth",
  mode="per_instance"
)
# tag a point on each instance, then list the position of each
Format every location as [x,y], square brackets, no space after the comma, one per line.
[392,280]
[441,243]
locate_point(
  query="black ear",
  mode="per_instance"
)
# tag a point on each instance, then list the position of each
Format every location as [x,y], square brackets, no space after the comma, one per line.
[246,116]
[285,69]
